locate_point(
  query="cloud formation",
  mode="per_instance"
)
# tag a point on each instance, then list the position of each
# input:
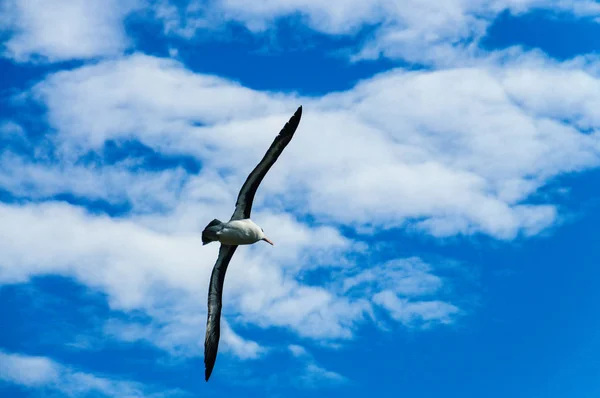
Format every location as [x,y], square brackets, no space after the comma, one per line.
[401,153]
[462,148]
[393,144]
[417,31]
[59,30]
[43,373]
[422,31]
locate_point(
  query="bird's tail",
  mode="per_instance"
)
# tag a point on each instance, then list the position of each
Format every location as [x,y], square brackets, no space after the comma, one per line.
[210,232]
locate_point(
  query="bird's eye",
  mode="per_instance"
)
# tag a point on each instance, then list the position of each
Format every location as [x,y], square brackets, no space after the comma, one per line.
[262,230]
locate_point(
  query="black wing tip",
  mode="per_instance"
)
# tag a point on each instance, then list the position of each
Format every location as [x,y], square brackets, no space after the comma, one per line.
[294,121]
[207,368]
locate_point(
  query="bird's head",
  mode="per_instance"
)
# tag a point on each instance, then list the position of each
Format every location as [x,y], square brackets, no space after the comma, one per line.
[263,237]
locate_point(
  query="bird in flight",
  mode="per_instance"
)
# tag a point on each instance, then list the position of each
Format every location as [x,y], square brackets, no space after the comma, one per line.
[239,230]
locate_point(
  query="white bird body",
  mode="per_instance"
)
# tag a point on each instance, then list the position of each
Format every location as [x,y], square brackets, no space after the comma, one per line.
[240,232]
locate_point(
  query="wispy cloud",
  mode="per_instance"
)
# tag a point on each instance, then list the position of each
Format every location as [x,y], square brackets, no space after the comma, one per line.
[141,269]
[42,373]
[57,30]
[312,374]
[28,371]
[424,31]
[316,376]
[417,31]
[462,148]
[402,155]
[178,335]
[404,288]
[145,191]
[158,273]
[405,154]
[422,312]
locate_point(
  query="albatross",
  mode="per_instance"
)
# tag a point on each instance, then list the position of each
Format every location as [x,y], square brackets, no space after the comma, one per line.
[239,230]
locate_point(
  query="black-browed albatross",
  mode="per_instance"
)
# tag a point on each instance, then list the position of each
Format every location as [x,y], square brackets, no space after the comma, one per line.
[240,230]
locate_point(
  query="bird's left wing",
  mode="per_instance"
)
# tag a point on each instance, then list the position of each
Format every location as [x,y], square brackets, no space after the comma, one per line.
[243,205]
[215,296]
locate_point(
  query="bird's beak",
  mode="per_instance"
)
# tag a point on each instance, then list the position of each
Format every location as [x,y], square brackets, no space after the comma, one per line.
[268,241]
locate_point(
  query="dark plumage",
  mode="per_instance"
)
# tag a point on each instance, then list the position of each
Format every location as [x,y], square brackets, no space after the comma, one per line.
[242,211]
[209,233]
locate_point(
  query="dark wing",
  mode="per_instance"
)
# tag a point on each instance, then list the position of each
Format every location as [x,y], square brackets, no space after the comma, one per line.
[243,206]
[215,295]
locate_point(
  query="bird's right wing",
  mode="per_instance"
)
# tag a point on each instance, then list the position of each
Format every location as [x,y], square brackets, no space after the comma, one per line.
[215,296]
[243,205]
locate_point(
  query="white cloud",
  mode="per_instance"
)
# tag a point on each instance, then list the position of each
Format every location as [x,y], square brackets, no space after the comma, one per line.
[297,350]
[408,312]
[178,334]
[426,31]
[577,103]
[43,373]
[163,274]
[456,151]
[447,152]
[311,374]
[27,371]
[409,277]
[402,151]
[404,288]
[12,130]
[145,191]
[57,30]
[316,376]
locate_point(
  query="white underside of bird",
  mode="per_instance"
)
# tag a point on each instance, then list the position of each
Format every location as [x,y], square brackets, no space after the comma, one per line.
[241,232]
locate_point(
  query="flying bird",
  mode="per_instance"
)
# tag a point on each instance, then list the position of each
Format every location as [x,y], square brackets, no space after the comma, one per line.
[239,230]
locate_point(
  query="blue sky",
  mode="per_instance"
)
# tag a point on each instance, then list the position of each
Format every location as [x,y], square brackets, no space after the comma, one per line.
[434,218]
